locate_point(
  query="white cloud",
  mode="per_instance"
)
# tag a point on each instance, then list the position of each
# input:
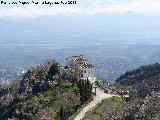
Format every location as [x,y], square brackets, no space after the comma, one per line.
[136,6]
[148,7]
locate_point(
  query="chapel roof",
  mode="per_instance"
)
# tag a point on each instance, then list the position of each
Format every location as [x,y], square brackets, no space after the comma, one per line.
[85,65]
[77,58]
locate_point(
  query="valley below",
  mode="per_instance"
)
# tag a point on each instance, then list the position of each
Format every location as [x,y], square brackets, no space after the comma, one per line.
[111,59]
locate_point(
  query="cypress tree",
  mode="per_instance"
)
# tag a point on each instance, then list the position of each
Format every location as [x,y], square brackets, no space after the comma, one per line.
[88,89]
[85,90]
[61,114]
[53,70]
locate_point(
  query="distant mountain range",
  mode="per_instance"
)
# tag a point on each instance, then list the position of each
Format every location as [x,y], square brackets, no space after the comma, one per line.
[62,29]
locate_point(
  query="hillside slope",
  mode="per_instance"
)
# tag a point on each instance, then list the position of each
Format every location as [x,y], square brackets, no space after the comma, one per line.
[143,85]
[116,108]
[142,73]
[44,93]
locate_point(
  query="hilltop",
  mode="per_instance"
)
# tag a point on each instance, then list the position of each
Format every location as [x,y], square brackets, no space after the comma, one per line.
[44,92]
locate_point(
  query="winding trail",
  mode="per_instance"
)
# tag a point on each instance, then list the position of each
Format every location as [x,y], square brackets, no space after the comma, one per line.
[97,99]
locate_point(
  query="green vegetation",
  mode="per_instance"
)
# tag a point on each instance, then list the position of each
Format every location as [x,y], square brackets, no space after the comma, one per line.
[43,94]
[140,74]
[51,100]
[85,90]
[78,110]
[54,69]
[141,82]
[116,108]
[143,85]
[106,107]
[101,83]
[157,117]
[119,86]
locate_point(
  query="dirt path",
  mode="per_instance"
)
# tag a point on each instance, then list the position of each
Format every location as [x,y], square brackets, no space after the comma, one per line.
[97,99]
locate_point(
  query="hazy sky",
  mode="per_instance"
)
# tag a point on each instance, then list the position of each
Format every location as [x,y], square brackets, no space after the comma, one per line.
[90,19]
[83,7]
